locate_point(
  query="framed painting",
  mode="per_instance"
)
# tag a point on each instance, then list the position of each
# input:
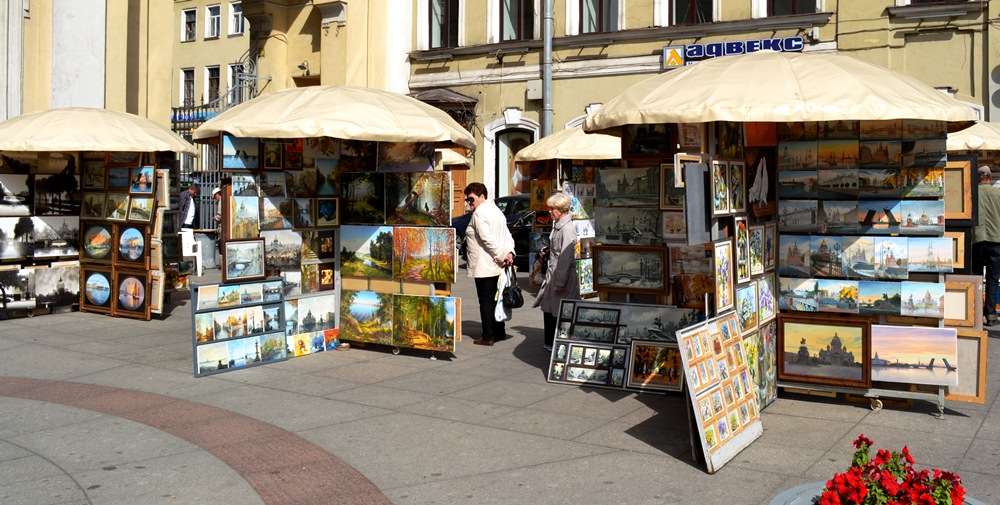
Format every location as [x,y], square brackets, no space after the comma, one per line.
[961,190]
[755,246]
[405,157]
[737,187]
[637,270]
[418,199]
[92,206]
[366,251]
[672,188]
[907,355]
[424,322]
[55,194]
[97,242]
[765,299]
[358,156]
[363,198]
[124,159]
[770,246]
[239,153]
[272,154]
[722,266]
[626,226]
[971,365]
[674,227]
[243,218]
[95,293]
[655,366]
[747,308]
[119,179]
[116,207]
[93,175]
[132,299]
[646,140]
[142,180]
[963,301]
[691,137]
[423,254]
[960,245]
[243,260]
[742,239]
[327,212]
[141,209]
[628,187]
[720,188]
[132,247]
[824,350]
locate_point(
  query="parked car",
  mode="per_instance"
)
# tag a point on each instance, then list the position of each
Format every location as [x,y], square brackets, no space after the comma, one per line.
[517,208]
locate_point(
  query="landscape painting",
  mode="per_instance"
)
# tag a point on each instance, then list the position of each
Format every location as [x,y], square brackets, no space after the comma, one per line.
[891,258]
[915,355]
[55,236]
[93,205]
[423,254]
[363,198]
[327,177]
[797,215]
[922,299]
[243,260]
[930,254]
[244,217]
[797,294]
[17,288]
[405,156]
[358,156]
[837,295]
[16,197]
[628,187]
[655,366]
[424,322]
[814,351]
[858,258]
[878,297]
[838,217]
[879,216]
[420,199]
[366,316]
[799,155]
[922,217]
[116,207]
[366,251]
[794,255]
[630,269]
[880,153]
[284,249]
[798,184]
[57,194]
[321,147]
[276,213]
[57,286]
[240,153]
[628,226]
[97,242]
[879,182]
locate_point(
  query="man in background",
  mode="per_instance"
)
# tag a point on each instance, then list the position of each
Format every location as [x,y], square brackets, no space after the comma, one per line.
[188,207]
[986,243]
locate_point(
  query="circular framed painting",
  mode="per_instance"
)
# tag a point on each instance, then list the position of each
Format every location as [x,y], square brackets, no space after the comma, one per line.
[97,242]
[131,244]
[131,293]
[98,288]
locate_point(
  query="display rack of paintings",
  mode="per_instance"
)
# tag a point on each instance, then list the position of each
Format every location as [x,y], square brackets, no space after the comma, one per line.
[238,325]
[595,344]
[724,398]
[402,321]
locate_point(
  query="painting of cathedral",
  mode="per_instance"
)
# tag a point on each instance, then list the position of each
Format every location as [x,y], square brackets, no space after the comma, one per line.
[922,299]
[823,351]
[244,217]
[793,255]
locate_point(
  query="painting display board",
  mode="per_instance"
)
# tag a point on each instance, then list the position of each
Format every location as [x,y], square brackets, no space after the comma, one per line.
[237,325]
[722,394]
[618,345]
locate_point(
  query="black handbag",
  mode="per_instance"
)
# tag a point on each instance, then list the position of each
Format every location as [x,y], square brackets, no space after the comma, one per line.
[511,295]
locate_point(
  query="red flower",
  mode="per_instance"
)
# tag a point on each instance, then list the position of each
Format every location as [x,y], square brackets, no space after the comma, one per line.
[862,440]
[906,455]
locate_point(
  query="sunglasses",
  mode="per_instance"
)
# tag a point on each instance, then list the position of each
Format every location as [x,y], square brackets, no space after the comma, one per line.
[470,200]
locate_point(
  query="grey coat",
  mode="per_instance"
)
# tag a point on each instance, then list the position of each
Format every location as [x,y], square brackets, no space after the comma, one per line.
[562,268]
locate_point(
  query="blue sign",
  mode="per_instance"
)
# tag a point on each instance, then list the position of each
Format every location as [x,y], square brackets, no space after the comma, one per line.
[696,52]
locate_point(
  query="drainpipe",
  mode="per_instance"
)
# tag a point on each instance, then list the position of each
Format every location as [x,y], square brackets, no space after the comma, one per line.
[547,69]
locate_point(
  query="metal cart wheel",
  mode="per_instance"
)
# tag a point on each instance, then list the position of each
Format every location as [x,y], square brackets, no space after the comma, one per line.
[395,350]
[876,404]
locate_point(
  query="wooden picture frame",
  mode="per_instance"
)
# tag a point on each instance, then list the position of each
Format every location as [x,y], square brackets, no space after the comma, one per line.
[720,188]
[614,270]
[741,238]
[141,209]
[691,137]
[961,246]
[131,246]
[116,207]
[243,260]
[96,288]
[132,294]
[142,180]
[961,190]
[722,269]
[737,187]
[155,255]
[93,176]
[327,212]
[805,338]
[97,242]
[119,178]
[92,205]
[156,292]
[649,140]
[126,159]
[671,194]
[963,301]
[973,347]
[770,246]
[655,366]
[239,154]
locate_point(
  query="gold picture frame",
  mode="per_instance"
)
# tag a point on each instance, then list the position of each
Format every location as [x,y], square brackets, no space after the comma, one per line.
[958,239]
[972,350]
[963,301]
[959,186]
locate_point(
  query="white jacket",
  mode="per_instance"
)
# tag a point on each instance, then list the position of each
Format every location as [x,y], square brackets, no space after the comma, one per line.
[487,241]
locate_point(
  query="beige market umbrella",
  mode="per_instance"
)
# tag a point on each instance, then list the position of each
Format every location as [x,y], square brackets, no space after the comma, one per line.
[982,136]
[88,129]
[572,144]
[342,112]
[778,87]
[450,157]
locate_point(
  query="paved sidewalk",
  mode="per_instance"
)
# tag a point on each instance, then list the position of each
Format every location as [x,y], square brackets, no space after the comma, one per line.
[104,411]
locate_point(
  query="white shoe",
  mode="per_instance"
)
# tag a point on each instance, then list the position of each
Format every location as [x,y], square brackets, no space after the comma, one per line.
[547,347]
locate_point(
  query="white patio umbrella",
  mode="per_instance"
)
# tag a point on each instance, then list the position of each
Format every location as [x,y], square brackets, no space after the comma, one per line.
[778,87]
[982,136]
[342,112]
[572,144]
[88,129]
[450,157]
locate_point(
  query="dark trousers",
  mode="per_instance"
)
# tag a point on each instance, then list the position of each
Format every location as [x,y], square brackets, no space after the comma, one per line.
[550,328]
[987,254]
[486,291]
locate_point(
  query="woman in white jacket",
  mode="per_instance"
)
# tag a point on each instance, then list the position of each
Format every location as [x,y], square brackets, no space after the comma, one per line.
[560,278]
[489,248]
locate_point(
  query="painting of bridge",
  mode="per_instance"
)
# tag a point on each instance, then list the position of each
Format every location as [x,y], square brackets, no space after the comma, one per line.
[915,355]
[630,269]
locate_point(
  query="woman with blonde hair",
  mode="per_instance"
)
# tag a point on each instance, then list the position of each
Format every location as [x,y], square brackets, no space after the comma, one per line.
[560,278]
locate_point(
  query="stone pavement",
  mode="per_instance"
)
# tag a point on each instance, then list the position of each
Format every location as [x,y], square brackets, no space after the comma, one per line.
[98,410]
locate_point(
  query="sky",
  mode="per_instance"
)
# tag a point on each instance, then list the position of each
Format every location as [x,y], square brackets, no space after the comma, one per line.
[913,344]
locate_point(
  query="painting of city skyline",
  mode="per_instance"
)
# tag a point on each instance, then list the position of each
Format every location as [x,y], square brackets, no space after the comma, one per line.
[794,255]
[915,355]
[922,299]
[817,350]
[630,269]
[627,226]
[628,187]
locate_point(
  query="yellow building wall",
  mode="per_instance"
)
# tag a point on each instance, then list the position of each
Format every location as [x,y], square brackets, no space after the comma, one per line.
[36,94]
[201,52]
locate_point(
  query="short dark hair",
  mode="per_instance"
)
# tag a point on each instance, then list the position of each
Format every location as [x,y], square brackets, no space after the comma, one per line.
[477,188]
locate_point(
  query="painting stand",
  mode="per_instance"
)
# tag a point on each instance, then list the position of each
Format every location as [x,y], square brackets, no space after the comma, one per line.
[874,393]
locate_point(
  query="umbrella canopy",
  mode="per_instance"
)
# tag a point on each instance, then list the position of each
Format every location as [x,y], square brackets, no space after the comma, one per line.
[573,144]
[778,87]
[342,112]
[449,157]
[88,129]
[982,136]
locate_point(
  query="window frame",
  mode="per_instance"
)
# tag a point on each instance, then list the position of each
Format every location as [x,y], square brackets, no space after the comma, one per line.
[237,23]
[672,9]
[192,34]
[521,32]
[604,25]
[208,83]
[450,27]
[213,21]
[186,101]
[795,8]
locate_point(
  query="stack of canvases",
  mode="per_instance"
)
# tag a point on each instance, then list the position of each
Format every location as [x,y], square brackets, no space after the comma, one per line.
[861,222]
[282,217]
[39,231]
[397,250]
[124,196]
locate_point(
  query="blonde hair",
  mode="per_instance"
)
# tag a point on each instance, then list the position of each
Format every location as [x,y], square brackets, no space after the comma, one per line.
[560,202]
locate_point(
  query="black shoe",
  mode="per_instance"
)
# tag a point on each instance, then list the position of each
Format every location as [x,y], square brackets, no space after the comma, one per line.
[991,323]
[480,341]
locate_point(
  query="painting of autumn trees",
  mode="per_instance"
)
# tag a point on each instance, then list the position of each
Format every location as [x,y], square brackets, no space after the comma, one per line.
[655,365]
[424,322]
[423,254]
[366,316]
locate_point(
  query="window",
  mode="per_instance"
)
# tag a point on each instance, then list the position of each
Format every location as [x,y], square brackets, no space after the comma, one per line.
[517,20]
[235,18]
[187,87]
[212,83]
[213,19]
[691,12]
[234,75]
[787,7]
[189,25]
[444,23]
[598,16]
